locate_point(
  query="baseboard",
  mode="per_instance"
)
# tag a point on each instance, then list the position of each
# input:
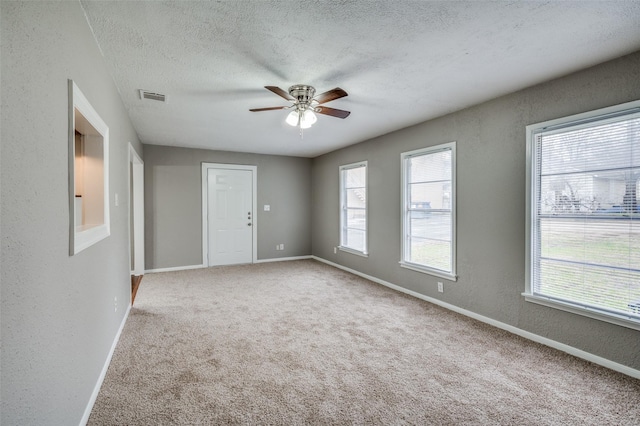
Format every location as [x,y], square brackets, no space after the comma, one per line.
[103,373]
[174,268]
[283,259]
[184,268]
[522,333]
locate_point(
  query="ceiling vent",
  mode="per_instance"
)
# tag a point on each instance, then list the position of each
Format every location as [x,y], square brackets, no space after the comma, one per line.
[152,96]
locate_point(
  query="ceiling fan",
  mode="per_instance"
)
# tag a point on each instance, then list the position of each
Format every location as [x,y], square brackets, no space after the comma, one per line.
[305,104]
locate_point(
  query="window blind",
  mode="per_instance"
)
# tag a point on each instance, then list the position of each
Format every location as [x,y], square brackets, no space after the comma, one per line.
[586,236]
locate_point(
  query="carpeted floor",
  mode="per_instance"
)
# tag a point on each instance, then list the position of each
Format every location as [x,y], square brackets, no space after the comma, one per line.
[301,342]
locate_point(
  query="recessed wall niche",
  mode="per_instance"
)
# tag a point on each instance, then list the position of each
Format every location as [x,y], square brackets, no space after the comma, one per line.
[88,173]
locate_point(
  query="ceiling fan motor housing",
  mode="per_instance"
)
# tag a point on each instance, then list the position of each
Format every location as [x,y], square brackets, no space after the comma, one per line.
[303,94]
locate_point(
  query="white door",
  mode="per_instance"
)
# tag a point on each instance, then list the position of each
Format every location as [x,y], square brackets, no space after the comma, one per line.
[229,216]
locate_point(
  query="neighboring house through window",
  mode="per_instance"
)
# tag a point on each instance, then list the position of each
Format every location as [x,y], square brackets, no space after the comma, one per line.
[428,210]
[583,214]
[353,208]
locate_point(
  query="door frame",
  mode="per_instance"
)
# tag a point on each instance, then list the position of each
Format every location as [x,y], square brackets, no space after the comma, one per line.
[205,204]
[136,211]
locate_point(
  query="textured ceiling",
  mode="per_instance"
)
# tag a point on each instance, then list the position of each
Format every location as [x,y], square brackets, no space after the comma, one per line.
[402,62]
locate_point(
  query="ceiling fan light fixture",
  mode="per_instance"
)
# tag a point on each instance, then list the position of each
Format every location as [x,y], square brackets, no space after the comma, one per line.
[304,119]
[308,119]
[293,118]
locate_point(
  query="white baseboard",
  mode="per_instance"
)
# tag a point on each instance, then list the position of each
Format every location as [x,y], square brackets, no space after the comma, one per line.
[522,333]
[283,259]
[174,268]
[103,373]
[184,268]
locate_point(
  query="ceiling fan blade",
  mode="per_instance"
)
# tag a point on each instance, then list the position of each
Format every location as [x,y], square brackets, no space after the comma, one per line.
[332,112]
[331,95]
[267,109]
[278,91]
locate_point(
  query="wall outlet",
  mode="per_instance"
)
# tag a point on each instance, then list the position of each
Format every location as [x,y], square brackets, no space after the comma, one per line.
[440,287]
[115,304]
[267,208]
[117,201]
[281,246]
[335,250]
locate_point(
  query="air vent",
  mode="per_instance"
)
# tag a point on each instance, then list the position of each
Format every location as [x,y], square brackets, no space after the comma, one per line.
[152,96]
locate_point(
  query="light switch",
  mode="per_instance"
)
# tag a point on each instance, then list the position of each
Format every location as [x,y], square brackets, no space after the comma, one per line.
[267,207]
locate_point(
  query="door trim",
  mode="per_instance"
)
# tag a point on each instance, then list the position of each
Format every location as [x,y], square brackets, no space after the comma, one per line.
[205,199]
[136,176]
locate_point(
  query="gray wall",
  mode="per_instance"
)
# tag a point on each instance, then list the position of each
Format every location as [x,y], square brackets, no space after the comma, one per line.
[173,204]
[57,311]
[491,205]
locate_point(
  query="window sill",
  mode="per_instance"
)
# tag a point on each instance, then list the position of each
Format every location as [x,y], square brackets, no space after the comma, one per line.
[430,271]
[620,320]
[352,251]
[88,237]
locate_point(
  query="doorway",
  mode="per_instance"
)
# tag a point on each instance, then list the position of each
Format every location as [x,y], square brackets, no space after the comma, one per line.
[228,218]
[136,218]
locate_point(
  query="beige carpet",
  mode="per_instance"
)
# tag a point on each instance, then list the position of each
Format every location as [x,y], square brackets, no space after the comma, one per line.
[294,343]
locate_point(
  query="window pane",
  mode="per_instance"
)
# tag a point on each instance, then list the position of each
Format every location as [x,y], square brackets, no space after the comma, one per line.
[429,208]
[611,242]
[353,204]
[599,147]
[433,253]
[430,167]
[604,288]
[430,235]
[435,195]
[356,197]
[355,239]
[586,231]
[357,219]
[356,177]
[599,192]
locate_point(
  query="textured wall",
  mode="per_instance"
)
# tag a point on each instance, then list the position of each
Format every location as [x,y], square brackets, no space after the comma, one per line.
[57,312]
[173,204]
[491,205]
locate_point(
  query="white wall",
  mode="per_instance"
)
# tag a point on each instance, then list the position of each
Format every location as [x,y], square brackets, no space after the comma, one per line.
[57,311]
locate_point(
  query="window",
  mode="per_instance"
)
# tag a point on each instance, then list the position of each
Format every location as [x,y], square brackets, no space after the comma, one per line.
[428,210]
[583,221]
[89,173]
[353,208]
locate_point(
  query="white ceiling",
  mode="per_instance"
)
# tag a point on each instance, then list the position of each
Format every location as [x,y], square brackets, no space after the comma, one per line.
[402,62]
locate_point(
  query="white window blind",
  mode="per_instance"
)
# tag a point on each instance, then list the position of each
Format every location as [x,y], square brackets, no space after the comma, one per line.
[353,207]
[585,236]
[429,210]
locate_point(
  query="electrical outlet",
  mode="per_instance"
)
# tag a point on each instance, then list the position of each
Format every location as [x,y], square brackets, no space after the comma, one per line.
[115,304]
[335,250]
[281,246]
[267,208]
[117,201]
[440,287]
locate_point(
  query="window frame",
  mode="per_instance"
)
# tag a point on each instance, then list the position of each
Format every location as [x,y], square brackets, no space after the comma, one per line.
[404,210]
[81,238]
[343,208]
[577,121]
